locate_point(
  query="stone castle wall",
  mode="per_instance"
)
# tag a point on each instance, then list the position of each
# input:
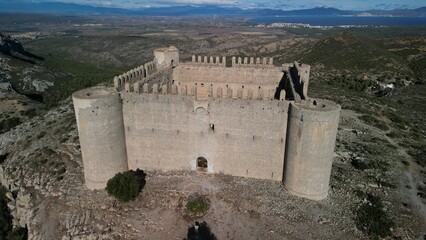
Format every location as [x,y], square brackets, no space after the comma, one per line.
[256,74]
[237,137]
[137,74]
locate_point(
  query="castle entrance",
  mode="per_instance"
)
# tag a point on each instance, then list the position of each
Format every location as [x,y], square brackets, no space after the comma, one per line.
[202,164]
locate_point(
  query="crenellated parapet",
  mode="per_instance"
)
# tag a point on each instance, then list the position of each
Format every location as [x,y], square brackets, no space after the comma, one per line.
[252,62]
[163,76]
[150,67]
[135,74]
[202,92]
[207,61]
[236,61]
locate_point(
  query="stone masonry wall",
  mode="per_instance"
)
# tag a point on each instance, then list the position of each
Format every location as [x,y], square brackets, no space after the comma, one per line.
[236,136]
[266,75]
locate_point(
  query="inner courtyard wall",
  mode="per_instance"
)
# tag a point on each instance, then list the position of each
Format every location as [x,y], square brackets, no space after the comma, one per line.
[265,75]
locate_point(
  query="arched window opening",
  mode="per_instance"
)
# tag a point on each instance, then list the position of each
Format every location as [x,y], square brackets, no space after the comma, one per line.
[202,164]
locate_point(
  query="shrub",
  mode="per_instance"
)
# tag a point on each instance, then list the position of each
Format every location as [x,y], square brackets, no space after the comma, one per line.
[371,219]
[140,177]
[41,134]
[19,233]
[126,186]
[375,122]
[351,83]
[9,123]
[5,218]
[30,113]
[61,170]
[197,205]
[359,165]
[3,158]
[399,121]
[419,155]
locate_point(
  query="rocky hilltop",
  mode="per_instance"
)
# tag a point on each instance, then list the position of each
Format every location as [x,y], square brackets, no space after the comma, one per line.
[9,44]
[12,47]
[22,71]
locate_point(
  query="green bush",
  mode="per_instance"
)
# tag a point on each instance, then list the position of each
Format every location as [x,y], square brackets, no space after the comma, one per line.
[374,122]
[396,118]
[371,219]
[351,83]
[19,233]
[5,218]
[9,123]
[197,204]
[419,155]
[126,186]
[61,170]
[359,165]
[30,113]
[3,158]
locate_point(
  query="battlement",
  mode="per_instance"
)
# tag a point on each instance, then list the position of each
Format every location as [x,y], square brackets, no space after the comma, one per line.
[236,61]
[204,92]
[135,74]
[207,61]
[245,80]
[252,62]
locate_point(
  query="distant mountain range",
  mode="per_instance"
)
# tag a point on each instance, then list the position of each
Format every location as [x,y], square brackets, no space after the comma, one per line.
[193,10]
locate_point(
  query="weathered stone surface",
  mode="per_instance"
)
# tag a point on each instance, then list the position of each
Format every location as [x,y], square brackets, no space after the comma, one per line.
[309,153]
[100,124]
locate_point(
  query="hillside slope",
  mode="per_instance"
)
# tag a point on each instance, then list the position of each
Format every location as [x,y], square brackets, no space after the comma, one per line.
[24,70]
[351,52]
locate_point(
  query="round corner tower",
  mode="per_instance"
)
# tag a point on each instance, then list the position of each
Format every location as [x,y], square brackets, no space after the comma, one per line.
[99,114]
[311,138]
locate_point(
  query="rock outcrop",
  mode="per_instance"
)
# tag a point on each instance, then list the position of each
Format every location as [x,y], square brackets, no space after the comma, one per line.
[12,47]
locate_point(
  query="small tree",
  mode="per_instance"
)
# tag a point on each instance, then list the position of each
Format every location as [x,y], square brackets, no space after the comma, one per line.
[19,233]
[5,217]
[197,205]
[372,219]
[126,186]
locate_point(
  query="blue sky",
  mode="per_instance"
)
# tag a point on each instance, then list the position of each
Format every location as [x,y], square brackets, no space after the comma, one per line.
[276,4]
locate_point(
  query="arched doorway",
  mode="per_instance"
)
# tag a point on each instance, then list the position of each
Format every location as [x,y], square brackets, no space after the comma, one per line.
[202,164]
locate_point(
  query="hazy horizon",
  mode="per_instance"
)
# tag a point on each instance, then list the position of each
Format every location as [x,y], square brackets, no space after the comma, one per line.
[356,5]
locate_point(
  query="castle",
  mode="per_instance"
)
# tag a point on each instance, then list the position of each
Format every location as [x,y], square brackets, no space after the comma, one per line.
[250,119]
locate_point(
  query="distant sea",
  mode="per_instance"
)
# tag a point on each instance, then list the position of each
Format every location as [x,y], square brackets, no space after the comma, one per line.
[343,20]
